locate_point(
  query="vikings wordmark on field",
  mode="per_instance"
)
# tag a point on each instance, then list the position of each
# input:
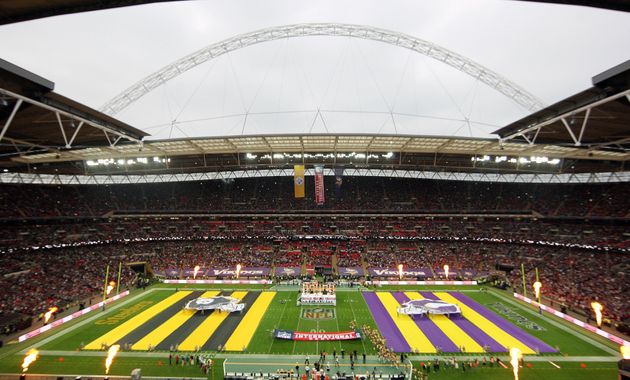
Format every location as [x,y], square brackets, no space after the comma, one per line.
[318,313]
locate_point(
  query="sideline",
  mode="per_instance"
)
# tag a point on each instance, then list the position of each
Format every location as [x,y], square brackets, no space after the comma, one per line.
[577,334]
[88,320]
[293,358]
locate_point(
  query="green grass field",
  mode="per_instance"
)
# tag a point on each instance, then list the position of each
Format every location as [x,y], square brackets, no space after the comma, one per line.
[60,352]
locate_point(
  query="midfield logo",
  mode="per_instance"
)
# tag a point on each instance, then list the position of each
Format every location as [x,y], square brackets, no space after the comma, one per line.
[317,313]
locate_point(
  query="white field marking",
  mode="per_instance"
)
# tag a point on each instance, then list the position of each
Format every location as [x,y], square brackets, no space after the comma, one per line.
[85,321]
[286,302]
[94,376]
[163,355]
[554,364]
[559,325]
[354,316]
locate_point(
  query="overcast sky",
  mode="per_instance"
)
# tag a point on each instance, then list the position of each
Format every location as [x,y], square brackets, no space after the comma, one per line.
[358,86]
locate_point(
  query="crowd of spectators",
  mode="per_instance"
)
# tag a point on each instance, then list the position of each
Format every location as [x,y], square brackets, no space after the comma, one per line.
[57,241]
[357,193]
[34,280]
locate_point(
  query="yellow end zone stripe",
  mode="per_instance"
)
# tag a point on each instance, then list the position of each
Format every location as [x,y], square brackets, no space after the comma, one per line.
[245,330]
[410,331]
[490,328]
[452,331]
[125,328]
[156,336]
[204,331]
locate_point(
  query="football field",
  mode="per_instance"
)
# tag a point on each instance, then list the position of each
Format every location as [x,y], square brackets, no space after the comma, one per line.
[149,324]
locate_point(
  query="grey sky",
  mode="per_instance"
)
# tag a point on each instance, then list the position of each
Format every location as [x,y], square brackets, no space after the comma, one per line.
[551,50]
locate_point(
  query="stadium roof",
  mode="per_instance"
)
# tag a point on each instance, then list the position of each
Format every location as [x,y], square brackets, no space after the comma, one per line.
[33,118]
[323,143]
[24,10]
[595,119]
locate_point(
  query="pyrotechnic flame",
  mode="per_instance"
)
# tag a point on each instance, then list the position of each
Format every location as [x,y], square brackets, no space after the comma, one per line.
[238,270]
[110,287]
[446,271]
[537,286]
[113,350]
[400,271]
[597,308]
[30,357]
[197,267]
[50,313]
[515,356]
[625,352]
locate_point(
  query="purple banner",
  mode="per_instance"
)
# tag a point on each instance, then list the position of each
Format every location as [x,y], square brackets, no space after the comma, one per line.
[245,272]
[191,272]
[171,272]
[408,272]
[287,271]
[451,273]
[468,273]
[351,271]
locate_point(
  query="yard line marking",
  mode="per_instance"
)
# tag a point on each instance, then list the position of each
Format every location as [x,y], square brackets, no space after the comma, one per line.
[68,329]
[554,364]
[548,318]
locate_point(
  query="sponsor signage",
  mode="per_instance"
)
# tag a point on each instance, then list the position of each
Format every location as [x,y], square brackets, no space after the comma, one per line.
[575,321]
[351,271]
[70,317]
[245,272]
[250,282]
[287,271]
[438,282]
[316,336]
[409,272]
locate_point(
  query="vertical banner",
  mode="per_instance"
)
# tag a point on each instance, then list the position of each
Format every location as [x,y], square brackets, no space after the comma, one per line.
[319,185]
[298,180]
[338,182]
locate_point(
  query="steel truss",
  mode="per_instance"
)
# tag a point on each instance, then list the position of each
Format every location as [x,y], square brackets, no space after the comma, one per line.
[508,88]
[530,133]
[110,134]
[54,179]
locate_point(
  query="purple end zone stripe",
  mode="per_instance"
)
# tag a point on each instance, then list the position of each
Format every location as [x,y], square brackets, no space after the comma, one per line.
[436,336]
[387,327]
[525,338]
[477,334]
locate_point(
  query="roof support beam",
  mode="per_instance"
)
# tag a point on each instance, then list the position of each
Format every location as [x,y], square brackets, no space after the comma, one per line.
[545,123]
[588,114]
[63,132]
[74,135]
[566,125]
[61,112]
[10,119]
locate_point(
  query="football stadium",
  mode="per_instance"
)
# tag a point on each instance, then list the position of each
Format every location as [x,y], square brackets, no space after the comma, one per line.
[338,190]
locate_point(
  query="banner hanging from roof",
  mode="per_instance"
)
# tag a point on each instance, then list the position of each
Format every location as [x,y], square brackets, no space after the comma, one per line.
[338,181]
[319,185]
[298,181]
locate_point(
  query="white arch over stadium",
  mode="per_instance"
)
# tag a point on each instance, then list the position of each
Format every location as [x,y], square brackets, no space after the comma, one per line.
[494,80]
